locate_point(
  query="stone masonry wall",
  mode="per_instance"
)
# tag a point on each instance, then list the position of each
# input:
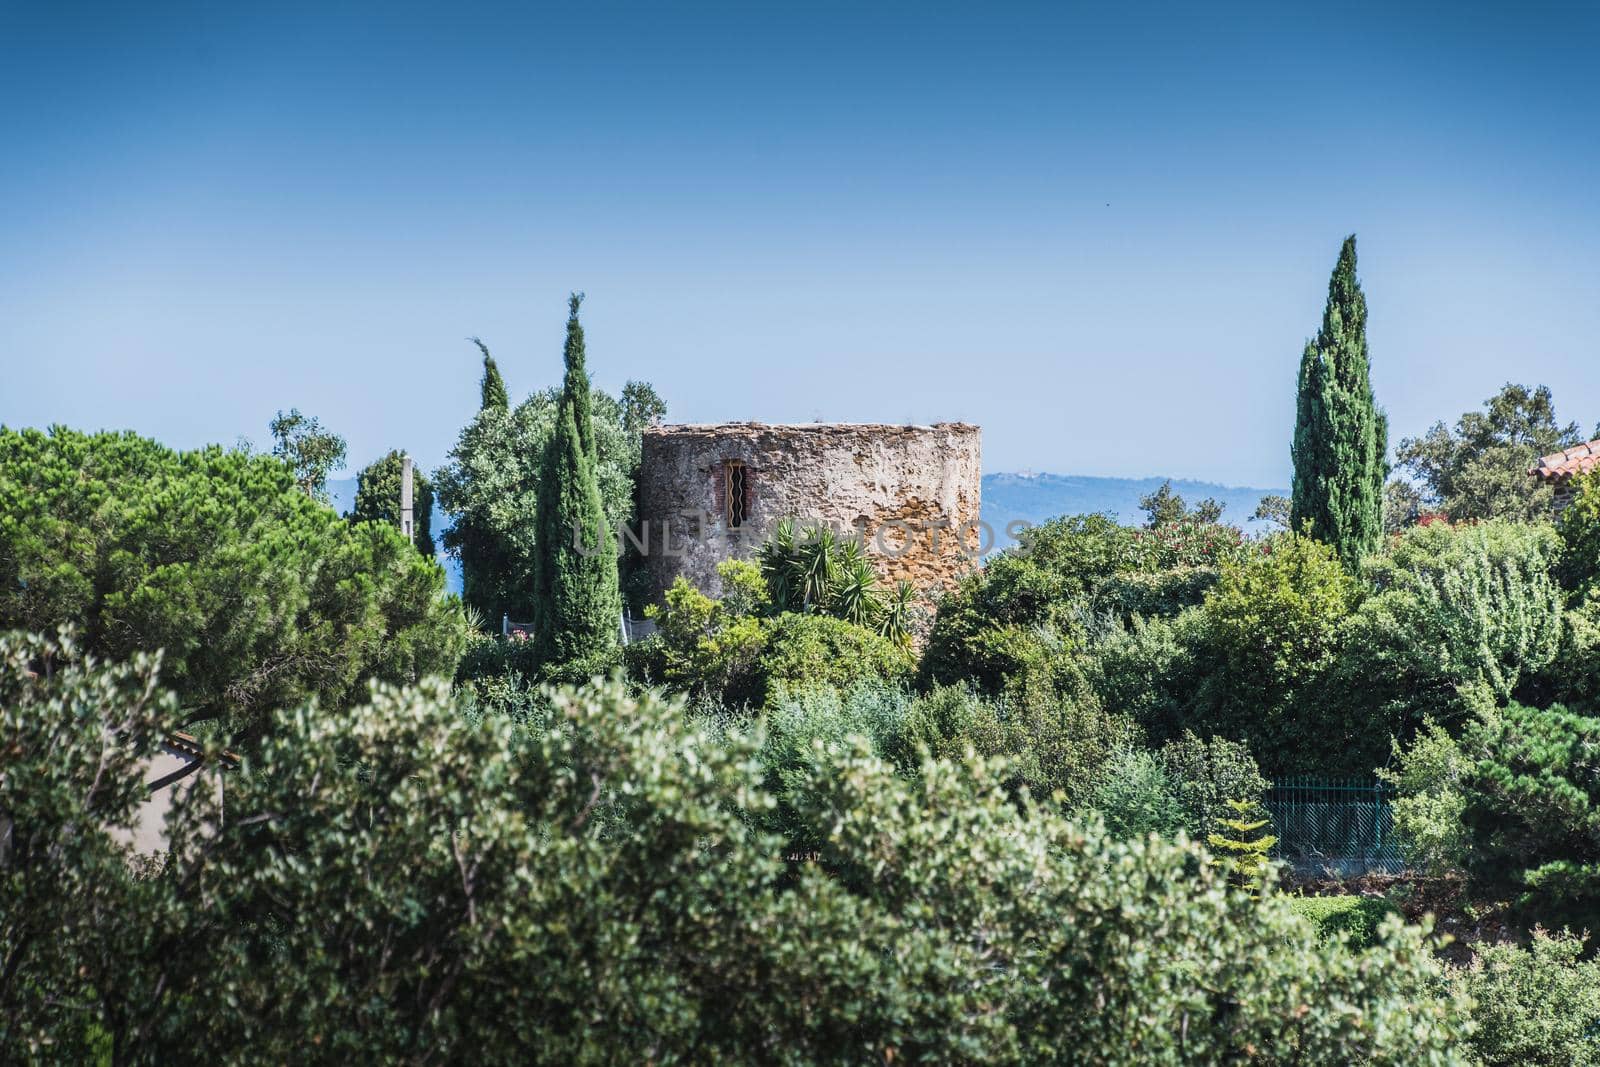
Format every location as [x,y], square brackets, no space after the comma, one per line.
[912,492]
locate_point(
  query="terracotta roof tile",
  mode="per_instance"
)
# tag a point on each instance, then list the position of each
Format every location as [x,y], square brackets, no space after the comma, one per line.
[1567,464]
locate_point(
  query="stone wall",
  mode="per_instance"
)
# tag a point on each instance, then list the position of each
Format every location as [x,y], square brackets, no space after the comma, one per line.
[912,492]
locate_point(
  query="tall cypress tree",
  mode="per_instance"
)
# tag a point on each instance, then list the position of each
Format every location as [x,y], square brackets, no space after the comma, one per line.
[1340,436]
[492,390]
[576,601]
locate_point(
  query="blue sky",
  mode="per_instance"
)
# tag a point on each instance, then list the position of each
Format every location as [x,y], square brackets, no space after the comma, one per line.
[1103,235]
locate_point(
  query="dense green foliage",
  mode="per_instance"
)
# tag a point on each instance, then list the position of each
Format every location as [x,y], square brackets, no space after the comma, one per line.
[807,650]
[1580,537]
[743,650]
[1534,1007]
[490,486]
[1479,470]
[1206,777]
[1429,802]
[1252,663]
[1135,797]
[1340,436]
[1034,605]
[400,882]
[1532,810]
[1460,617]
[1353,920]
[378,499]
[310,451]
[577,602]
[259,596]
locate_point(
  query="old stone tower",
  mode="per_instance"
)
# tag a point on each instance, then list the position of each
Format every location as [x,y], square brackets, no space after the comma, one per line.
[713,492]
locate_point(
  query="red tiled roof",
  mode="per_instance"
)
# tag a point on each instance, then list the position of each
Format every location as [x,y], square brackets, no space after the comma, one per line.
[1567,464]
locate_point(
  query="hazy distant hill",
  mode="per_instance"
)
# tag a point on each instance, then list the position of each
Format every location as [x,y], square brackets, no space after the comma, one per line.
[1037,497]
[1006,498]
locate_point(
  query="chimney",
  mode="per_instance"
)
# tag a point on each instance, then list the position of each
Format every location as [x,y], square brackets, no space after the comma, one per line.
[406,506]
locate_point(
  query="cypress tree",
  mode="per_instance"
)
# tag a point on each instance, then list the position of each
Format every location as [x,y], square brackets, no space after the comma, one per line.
[576,600]
[492,390]
[1340,436]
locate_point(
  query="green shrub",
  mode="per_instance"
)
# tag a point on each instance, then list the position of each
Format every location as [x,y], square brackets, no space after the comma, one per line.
[1205,776]
[1250,664]
[703,647]
[1579,564]
[1351,920]
[1532,810]
[999,623]
[396,883]
[806,724]
[1534,1007]
[1054,745]
[817,650]
[492,656]
[1149,671]
[1429,803]
[1163,594]
[1135,797]
[1462,615]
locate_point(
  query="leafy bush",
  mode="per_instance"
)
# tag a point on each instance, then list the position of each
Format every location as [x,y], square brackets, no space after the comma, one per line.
[1462,615]
[416,885]
[1352,920]
[1270,627]
[1429,803]
[997,624]
[1135,797]
[1579,564]
[813,650]
[1250,664]
[703,647]
[1149,671]
[806,724]
[1532,809]
[258,596]
[1206,775]
[1534,1007]
[1125,597]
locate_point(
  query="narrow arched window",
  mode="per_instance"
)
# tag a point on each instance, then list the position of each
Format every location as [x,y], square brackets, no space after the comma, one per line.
[736,494]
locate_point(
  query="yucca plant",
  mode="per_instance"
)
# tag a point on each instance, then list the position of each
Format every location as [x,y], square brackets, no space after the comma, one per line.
[815,569]
[894,615]
[855,594]
[776,558]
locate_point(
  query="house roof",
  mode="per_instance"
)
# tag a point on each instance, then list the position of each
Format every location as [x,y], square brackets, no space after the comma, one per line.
[1567,464]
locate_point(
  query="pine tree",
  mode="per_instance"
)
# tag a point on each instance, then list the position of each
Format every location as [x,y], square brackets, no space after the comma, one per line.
[492,390]
[1340,436]
[576,601]
[1243,845]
